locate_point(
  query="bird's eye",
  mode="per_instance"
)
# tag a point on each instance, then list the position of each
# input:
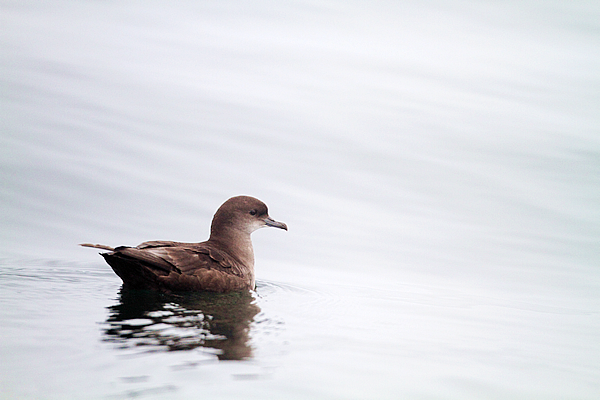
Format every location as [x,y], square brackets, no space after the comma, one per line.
[252,212]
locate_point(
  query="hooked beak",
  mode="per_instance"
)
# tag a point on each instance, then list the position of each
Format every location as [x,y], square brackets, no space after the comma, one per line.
[275,224]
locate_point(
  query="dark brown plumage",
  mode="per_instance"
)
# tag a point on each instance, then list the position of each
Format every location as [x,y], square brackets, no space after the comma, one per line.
[224,263]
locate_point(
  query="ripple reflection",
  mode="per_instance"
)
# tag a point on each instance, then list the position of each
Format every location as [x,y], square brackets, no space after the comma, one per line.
[158,321]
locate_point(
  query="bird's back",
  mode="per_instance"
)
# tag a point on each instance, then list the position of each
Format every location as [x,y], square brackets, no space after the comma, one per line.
[175,266]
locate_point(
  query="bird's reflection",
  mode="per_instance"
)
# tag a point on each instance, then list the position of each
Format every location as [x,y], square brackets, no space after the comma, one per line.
[184,321]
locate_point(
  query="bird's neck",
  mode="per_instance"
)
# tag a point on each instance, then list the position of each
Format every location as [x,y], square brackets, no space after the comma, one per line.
[236,243]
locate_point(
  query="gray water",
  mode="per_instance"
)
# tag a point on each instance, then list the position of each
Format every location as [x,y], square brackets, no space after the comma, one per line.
[438,164]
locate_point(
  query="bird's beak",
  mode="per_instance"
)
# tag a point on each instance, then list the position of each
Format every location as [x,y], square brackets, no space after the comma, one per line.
[275,224]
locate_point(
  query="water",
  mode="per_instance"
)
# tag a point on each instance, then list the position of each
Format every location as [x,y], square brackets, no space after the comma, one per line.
[438,165]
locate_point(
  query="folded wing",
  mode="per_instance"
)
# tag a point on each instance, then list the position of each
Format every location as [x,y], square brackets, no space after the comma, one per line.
[175,266]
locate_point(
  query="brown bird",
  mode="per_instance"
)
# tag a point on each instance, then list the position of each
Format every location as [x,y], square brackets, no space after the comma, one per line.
[224,263]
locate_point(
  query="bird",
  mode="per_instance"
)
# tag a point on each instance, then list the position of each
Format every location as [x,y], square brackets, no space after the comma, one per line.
[224,263]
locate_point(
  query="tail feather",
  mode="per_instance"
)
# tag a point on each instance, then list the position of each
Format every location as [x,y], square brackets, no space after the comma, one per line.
[98,246]
[138,269]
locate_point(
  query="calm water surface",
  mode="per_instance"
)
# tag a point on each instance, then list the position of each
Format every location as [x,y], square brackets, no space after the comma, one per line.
[438,165]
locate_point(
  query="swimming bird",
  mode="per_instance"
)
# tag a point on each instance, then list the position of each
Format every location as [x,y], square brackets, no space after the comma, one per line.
[223,263]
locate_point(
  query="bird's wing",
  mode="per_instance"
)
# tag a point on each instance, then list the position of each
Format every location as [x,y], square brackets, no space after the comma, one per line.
[178,266]
[191,258]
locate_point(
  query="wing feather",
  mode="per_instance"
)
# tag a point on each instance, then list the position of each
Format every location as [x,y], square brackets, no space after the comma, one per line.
[179,266]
